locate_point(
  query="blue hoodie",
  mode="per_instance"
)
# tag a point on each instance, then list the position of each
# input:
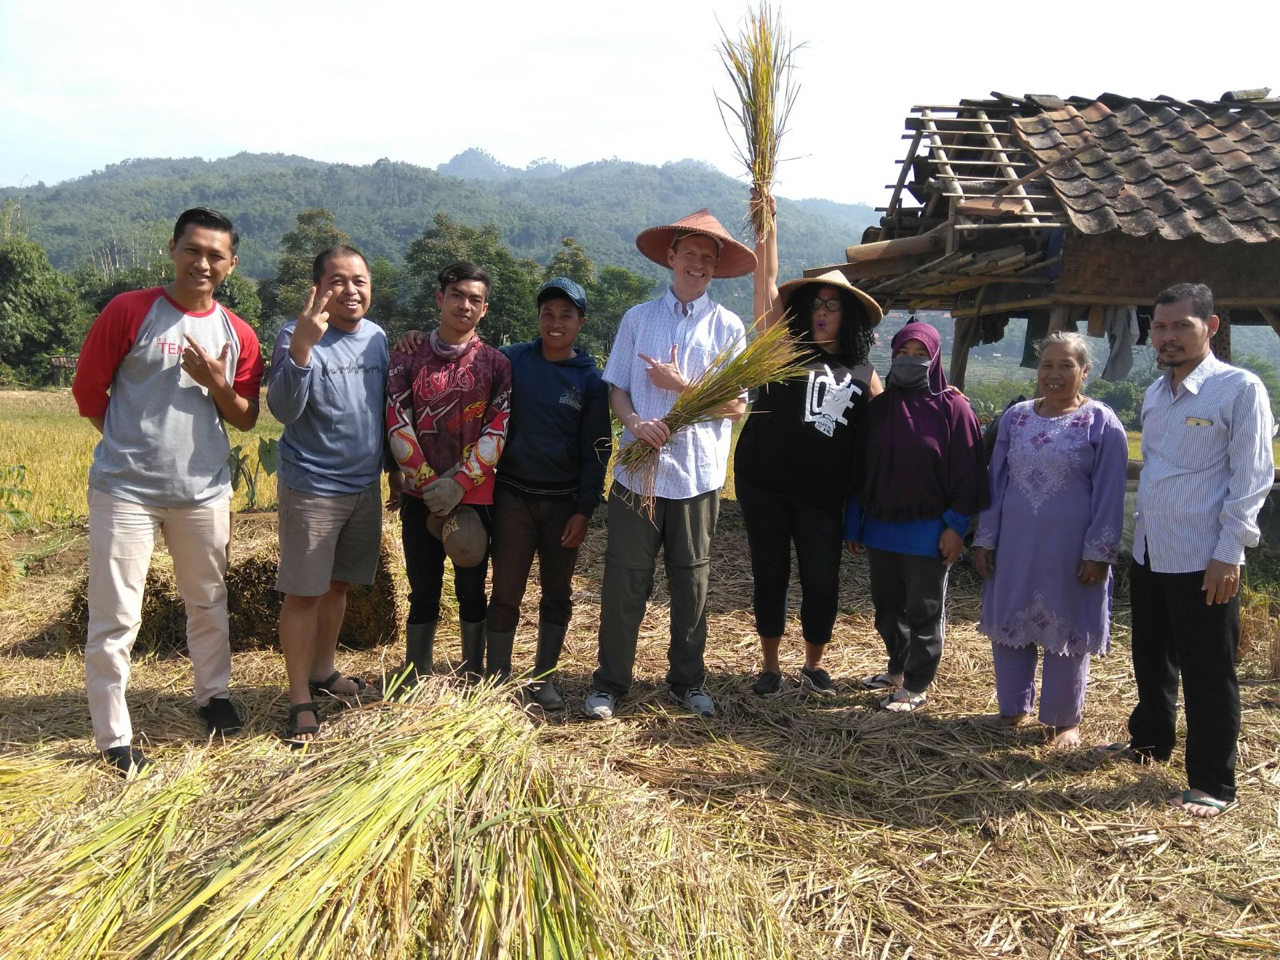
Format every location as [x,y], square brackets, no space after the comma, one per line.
[559,437]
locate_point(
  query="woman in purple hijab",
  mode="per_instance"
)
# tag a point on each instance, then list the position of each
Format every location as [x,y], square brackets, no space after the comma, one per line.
[922,477]
[1057,507]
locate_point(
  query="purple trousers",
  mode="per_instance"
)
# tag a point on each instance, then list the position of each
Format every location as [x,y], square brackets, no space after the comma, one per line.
[1061,687]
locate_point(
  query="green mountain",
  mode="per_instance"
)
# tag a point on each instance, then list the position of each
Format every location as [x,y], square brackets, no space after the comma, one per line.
[384,205]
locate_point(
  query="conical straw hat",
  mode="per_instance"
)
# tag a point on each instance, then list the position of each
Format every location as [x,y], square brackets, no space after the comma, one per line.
[736,260]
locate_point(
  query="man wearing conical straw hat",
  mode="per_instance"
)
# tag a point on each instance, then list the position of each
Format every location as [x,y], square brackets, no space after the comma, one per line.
[661,348]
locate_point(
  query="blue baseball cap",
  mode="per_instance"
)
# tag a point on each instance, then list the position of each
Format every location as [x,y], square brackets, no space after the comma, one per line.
[564,287]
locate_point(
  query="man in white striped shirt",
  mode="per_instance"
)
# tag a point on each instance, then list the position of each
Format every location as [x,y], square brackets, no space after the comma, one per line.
[1207,468]
[661,348]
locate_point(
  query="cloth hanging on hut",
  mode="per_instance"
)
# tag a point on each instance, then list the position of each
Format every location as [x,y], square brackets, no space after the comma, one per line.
[1037,330]
[1122,334]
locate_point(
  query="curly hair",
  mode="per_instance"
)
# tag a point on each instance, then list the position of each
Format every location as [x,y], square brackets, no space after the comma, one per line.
[856,335]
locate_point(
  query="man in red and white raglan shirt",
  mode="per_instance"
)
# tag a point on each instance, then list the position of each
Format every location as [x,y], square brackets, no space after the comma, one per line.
[161,373]
[447,407]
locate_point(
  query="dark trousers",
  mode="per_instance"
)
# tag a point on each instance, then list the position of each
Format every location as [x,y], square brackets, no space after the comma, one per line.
[522,526]
[909,594]
[1174,631]
[774,522]
[682,529]
[424,558]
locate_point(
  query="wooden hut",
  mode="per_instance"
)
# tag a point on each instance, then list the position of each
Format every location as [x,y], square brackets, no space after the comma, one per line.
[1055,210]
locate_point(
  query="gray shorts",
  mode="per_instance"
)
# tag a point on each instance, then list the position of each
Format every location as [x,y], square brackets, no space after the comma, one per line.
[328,538]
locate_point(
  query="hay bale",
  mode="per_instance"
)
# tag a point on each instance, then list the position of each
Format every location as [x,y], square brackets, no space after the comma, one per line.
[8,572]
[164,617]
[253,605]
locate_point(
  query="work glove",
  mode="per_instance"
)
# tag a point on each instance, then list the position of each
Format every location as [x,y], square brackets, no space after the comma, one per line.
[442,496]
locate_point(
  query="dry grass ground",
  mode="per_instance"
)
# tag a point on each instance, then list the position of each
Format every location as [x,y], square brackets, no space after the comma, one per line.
[801,827]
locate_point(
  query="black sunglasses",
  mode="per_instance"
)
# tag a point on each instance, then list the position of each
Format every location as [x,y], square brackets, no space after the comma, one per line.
[833,305]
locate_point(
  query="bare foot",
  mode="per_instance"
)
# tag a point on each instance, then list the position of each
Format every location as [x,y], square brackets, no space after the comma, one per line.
[1064,738]
[1197,803]
[1000,720]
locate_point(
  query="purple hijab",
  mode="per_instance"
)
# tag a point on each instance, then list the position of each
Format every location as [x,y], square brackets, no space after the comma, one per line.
[923,448]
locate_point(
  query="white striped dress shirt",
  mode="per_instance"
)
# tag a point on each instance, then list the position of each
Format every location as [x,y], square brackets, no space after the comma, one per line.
[696,458]
[1207,468]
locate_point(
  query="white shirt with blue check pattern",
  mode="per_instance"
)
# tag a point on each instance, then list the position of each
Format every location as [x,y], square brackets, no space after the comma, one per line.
[1207,468]
[696,458]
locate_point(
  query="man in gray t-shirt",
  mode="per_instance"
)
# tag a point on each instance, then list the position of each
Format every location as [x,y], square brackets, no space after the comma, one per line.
[160,374]
[328,387]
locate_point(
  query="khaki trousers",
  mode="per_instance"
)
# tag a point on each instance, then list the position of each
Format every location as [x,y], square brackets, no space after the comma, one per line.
[122,535]
[682,530]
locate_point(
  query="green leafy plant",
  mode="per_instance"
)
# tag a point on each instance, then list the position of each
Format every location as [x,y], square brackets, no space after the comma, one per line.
[14,495]
[248,471]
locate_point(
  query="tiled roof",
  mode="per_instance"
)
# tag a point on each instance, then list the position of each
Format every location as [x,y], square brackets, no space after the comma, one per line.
[1207,169]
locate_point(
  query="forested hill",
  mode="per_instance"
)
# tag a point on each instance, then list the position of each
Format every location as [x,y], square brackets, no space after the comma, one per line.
[385,205]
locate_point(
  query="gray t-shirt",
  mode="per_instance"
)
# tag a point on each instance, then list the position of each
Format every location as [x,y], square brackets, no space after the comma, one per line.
[163,442]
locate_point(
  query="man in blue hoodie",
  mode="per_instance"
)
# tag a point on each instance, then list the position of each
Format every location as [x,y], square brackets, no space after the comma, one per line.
[328,383]
[550,479]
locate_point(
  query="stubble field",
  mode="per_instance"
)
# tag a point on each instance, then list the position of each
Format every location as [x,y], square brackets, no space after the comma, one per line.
[459,824]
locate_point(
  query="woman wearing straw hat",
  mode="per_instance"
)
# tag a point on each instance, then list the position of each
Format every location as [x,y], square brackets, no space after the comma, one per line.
[922,475]
[808,423]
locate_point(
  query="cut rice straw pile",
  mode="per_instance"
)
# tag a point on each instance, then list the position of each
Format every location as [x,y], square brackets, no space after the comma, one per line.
[458,827]
[441,827]
[760,67]
[770,356]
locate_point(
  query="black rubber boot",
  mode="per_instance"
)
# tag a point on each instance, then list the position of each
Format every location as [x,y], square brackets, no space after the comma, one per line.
[550,643]
[497,656]
[419,643]
[472,650]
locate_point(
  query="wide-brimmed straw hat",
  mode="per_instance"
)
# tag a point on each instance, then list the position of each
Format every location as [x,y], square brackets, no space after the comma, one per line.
[834,278]
[736,260]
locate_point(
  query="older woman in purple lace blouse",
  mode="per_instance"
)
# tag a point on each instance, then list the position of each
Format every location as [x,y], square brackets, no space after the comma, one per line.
[1046,543]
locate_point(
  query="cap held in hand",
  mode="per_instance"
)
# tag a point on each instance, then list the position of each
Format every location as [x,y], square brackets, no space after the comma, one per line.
[463,534]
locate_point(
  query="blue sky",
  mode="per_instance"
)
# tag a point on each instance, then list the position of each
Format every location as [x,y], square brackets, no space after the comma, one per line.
[84,84]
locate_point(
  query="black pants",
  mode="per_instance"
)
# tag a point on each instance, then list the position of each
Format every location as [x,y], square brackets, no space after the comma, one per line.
[909,593]
[1174,631]
[424,558]
[522,526]
[773,522]
[682,529]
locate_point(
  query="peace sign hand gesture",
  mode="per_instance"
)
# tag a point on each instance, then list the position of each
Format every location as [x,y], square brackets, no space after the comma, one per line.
[311,326]
[666,376]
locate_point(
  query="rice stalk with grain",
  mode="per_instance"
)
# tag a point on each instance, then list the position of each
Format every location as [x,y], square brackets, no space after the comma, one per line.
[773,355]
[761,67]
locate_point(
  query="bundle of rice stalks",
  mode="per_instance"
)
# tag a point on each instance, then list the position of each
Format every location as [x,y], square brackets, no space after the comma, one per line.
[440,828]
[771,356]
[760,66]
[253,604]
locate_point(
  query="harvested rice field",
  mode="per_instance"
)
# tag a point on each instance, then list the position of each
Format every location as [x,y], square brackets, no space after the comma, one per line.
[461,825]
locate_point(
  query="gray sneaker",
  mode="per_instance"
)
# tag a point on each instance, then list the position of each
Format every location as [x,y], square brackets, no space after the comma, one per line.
[696,700]
[600,705]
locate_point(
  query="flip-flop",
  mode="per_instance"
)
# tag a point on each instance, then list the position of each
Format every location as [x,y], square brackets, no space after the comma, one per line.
[881,681]
[909,703]
[1122,750]
[1222,806]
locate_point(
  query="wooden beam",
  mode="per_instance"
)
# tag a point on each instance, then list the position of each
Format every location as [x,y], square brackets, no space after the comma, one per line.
[1005,306]
[960,345]
[898,247]
[906,168]
[1272,318]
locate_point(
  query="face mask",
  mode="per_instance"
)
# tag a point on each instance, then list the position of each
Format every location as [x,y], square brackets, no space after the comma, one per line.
[910,373]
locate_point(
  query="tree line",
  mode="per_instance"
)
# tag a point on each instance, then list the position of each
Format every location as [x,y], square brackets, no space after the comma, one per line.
[46,312]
